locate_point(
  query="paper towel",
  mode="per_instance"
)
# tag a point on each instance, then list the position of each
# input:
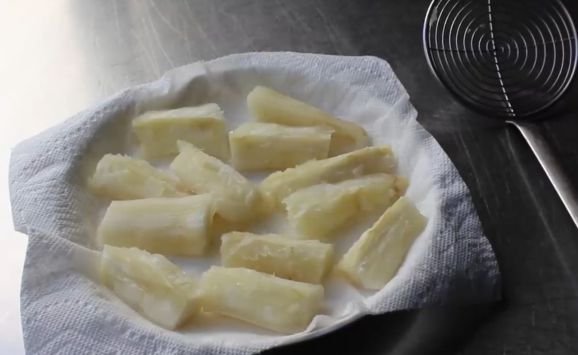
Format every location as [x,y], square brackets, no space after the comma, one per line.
[64,310]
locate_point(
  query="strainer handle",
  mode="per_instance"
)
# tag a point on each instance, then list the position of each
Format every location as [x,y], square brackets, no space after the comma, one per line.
[557,177]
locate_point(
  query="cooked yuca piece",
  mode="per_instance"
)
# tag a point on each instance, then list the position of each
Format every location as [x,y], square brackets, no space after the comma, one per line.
[203,126]
[299,260]
[173,226]
[268,105]
[361,162]
[235,198]
[375,257]
[318,210]
[267,301]
[269,146]
[120,177]
[150,284]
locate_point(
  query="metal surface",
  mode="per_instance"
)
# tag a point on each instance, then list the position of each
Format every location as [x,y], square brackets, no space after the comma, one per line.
[503,58]
[548,161]
[60,56]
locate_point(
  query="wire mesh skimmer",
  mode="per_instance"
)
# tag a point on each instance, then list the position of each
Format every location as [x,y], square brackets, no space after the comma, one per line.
[507,59]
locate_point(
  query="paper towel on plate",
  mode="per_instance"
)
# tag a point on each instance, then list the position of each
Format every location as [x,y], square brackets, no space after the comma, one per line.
[64,310]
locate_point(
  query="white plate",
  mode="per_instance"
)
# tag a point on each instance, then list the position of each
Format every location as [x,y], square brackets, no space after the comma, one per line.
[360,89]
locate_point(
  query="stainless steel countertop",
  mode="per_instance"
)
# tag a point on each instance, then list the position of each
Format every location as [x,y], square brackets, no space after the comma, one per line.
[61,56]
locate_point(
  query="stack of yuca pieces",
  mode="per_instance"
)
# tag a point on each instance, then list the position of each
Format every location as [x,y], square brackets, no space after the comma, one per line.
[325,176]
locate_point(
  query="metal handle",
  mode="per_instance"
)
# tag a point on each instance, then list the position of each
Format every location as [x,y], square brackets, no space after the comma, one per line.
[549,164]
